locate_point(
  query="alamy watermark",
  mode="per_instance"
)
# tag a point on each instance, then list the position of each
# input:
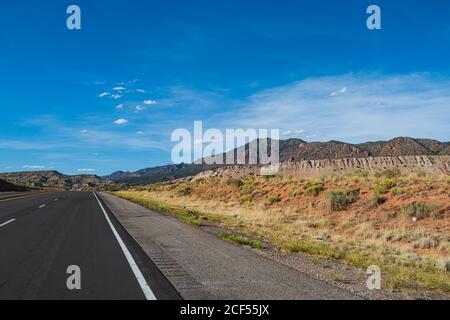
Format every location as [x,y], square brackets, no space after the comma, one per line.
[74,280]
[374,20]
[374,280]
[213,146]
[73,22]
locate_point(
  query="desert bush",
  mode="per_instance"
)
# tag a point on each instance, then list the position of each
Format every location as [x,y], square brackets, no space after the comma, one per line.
[420,210]
[377,199]
[247,198]
[154,187]
[273,199]
[360,173]
[426,243]
[340,200]
[184,191]
[383,187]
[313,187]
[248,186]
[395,191]
[294,192]
[388,173]
[234,182]
[387,184]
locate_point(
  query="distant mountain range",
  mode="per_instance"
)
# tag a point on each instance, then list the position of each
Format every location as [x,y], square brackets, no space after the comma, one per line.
[295,150]
[55,180]
[292,150]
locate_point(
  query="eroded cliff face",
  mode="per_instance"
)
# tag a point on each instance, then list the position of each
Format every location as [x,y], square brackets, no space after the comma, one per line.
[435,165]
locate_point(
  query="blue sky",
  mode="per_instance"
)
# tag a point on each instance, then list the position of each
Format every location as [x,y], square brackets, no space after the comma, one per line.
[108,97]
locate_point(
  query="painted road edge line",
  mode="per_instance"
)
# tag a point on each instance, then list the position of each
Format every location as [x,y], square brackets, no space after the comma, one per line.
[40,207]
[149,295]
[7,222]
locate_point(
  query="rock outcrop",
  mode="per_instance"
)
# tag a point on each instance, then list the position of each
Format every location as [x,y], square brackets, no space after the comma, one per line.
[434,165]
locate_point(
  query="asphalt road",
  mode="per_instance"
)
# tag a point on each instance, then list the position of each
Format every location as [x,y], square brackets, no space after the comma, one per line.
[202,266]
[42,235]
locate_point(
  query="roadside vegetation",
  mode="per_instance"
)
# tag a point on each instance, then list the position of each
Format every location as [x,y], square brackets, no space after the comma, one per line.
[399,222]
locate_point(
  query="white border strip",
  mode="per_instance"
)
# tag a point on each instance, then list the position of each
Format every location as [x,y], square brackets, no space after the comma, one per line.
[149,295]
[7,222]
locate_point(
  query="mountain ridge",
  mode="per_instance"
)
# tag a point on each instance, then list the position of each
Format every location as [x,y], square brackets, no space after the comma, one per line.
[297,150]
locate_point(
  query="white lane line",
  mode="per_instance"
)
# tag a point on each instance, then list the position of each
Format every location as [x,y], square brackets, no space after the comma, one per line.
[149,295]
[7,222]
[56,199]
[42,206]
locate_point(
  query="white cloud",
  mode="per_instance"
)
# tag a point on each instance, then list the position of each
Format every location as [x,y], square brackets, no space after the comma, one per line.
[104,94]
[291,133]
[150,102]
[119,89]
[33,167]
[336,93]
[121,121]
[119,107]
[377,107]
[140,132]
[86,170]
[116,96]
[140,91]
[139,108]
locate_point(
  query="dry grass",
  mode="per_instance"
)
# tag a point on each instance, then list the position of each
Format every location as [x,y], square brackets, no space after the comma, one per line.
[400,223]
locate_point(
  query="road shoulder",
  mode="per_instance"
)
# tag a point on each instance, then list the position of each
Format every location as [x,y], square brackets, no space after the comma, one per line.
[201,266]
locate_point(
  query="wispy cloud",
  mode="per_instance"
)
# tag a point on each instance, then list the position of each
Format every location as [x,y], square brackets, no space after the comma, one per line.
[150,102]
[336,93]
[121,121]
[366,107]
[33,167]
[86,170]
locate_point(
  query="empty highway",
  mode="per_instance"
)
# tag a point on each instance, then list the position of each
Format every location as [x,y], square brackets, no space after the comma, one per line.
[42,235]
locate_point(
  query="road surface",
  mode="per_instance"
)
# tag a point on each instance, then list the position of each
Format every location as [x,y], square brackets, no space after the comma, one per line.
[42,235]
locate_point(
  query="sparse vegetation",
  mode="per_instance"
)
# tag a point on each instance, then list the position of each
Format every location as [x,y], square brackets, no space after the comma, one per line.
[255,244]
[184,191]
[420,210]
[235,182]
[273,199]
[340,200]
[314,187]
[384,219]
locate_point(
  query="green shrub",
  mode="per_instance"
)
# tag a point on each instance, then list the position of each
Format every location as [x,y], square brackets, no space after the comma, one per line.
[314,187]
[395,191]
[360,173]
[420,210]
[184,191]
[273,199]
[378,199]
[234,182]
[340,200]
[294,192]
[247,198]
[387,184]
[154,187]
[388,173]
[255,244]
